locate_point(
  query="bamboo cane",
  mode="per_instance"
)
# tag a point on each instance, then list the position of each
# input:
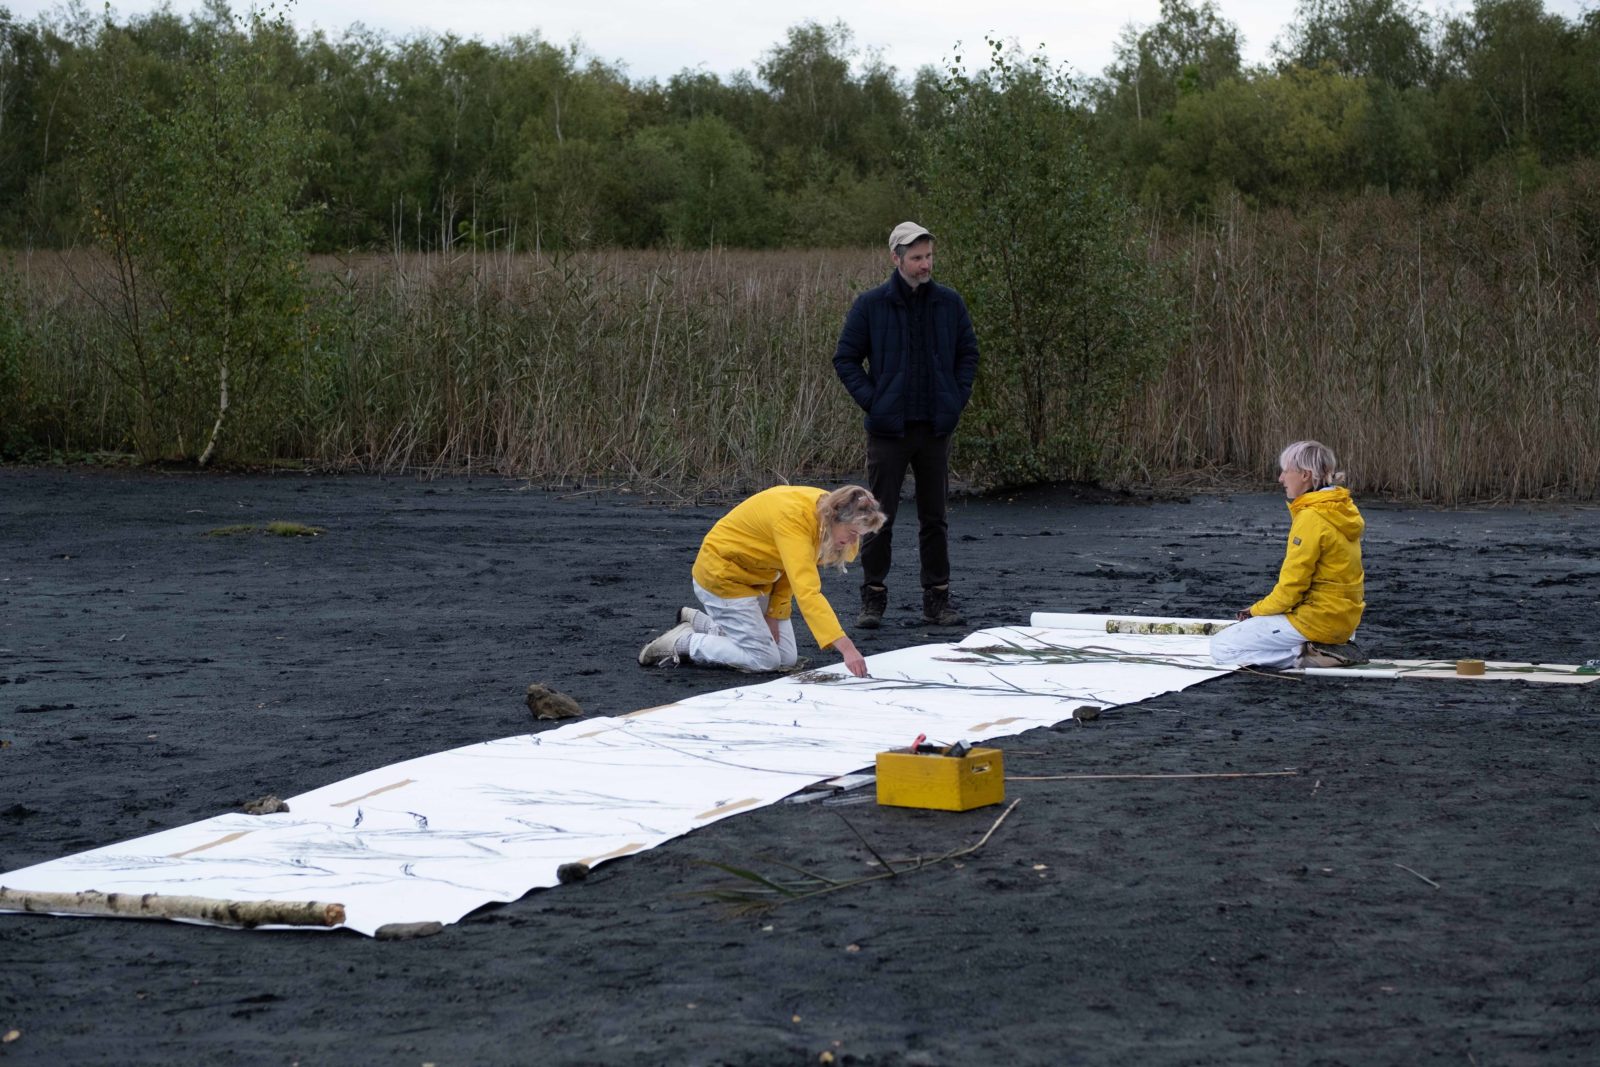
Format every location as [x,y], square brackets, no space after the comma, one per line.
[1089,777]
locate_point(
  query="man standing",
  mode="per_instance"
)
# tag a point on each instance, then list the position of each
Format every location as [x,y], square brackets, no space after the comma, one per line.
[908,355]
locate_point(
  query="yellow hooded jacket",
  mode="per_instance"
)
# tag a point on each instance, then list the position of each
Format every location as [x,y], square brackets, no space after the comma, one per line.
[1320,586]
[768,544]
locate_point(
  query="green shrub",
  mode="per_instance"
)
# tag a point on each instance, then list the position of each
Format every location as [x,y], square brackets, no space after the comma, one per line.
[1071,316]
[14,431]
[191,205]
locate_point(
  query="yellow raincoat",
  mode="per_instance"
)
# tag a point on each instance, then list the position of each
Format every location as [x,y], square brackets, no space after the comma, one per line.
[1320,586]
[769,544]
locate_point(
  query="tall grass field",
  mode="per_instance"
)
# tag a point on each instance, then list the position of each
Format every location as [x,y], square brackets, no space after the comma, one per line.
[1446,352]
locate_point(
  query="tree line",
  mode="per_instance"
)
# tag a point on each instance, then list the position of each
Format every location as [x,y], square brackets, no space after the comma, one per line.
[427,142]
[1407,237]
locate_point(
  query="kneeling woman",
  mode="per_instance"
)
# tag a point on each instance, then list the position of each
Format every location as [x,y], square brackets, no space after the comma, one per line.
[1311,614]
[757,558]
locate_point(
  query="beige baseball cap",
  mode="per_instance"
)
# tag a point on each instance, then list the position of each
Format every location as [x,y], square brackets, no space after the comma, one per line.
[907,233]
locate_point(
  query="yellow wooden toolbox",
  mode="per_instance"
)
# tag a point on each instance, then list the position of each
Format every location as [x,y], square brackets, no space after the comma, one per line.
[909,779]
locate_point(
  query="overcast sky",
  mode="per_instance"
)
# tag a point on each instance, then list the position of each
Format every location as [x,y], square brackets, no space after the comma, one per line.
[658,38]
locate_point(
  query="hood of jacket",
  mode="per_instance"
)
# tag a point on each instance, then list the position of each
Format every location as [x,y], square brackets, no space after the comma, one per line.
[1335,505]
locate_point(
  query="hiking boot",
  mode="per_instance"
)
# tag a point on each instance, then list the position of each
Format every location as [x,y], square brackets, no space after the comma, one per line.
[937,609]
[664,649]
[874,599]
[1345,655]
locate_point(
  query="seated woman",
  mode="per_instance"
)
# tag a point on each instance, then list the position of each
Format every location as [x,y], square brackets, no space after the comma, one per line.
[1311,614]
[757,558]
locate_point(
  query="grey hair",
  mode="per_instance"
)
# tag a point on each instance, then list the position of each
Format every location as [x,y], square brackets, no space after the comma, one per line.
[1315,458]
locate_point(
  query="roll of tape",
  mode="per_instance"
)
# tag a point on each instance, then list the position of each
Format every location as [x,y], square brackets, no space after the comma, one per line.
[1469,666]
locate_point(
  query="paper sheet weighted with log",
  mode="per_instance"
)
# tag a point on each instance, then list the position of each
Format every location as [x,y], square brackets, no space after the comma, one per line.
[1437,670]
[1444,670]
[433,838]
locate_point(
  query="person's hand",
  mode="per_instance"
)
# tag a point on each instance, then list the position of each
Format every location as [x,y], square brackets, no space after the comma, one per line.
[772,628]
[852,659]
[1243,615]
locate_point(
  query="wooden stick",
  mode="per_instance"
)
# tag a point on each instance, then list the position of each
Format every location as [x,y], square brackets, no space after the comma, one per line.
[245,913]
[750,898]
[1088,777]
[1424,877]
[970,849]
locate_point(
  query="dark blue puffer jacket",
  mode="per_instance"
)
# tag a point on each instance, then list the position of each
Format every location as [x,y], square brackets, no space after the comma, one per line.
[873,350]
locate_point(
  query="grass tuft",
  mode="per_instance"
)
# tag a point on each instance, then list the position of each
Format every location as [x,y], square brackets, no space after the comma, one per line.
[281,528]
[232,531]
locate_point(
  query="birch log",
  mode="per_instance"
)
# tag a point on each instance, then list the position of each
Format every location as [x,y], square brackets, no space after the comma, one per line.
[1131,626]
[245,913]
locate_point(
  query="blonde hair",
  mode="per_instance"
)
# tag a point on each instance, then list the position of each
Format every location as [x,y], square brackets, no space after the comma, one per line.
[1315,458]
[850,505]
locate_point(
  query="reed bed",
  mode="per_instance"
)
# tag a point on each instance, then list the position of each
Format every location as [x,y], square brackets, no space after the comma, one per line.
[674,368]
[1448,353]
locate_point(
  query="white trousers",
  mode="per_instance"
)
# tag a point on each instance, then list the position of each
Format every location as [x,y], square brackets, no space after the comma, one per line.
[1269,641]
[742,639]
